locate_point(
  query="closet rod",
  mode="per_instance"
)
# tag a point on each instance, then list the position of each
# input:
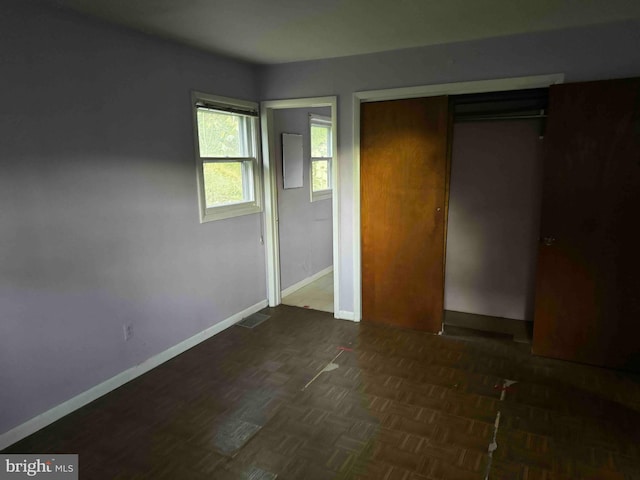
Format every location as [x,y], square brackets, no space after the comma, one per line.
[503,117]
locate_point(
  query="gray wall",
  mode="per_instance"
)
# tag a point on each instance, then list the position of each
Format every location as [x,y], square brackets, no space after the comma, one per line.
[99,218]
[494,218]
[598,52]
[305,227]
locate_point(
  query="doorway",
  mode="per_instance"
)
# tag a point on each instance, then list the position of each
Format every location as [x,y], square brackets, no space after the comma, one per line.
[494,212]
[301,213]
[424,92]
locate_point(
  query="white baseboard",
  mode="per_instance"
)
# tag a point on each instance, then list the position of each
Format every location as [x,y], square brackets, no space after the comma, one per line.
[345,315]
[306,281]
[40,421]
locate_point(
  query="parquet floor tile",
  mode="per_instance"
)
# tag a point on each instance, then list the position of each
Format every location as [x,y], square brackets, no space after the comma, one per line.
[401,405]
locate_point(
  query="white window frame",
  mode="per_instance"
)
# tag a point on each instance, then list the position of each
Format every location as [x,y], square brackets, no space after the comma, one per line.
[327,193]
[253,178]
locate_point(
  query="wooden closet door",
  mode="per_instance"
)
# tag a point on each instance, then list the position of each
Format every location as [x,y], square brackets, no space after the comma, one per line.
[588,281]
[404,176]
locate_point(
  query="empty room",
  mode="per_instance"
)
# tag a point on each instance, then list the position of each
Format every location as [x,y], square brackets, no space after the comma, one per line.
[320,240]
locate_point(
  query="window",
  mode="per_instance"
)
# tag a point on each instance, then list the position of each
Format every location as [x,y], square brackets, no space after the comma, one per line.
[227,157]
[321,157]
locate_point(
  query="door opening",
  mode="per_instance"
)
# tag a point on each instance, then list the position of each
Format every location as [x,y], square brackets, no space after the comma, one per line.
[494,213]
[302,227]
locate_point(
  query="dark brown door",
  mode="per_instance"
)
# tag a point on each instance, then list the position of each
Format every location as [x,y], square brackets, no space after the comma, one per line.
[588,286]
[404,177]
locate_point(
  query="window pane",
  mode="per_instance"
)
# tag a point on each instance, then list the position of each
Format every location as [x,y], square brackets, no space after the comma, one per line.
[320,141]
[221,134]
[320,175]
[226,183]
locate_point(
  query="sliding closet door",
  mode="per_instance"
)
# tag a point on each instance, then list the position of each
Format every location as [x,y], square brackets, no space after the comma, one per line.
[588,285]
[403,211]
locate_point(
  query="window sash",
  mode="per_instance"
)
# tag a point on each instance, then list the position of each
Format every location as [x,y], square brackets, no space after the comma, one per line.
[329,161]
[249,159]
[246,134]
[227,109]
[326,125]
[247,165]
[326,133]
[227,159]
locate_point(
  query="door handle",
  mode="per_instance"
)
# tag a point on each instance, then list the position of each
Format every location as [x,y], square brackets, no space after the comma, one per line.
[548,241]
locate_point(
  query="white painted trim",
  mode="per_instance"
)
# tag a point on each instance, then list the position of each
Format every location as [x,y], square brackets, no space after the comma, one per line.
[319,195]
[272,239]
[40,421]
[335,205]
[345,315]
[308,102]
[221,101]
[459,88]
[272,242]
[304,282]
[357,250]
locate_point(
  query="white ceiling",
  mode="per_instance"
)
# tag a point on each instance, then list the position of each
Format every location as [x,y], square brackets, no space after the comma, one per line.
[278,31]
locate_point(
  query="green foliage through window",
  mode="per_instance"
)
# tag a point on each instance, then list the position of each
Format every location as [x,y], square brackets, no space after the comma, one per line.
[226,149]
[321,154]
[225,135]
[320,175]
[221,134]
[320,140]
[223,183]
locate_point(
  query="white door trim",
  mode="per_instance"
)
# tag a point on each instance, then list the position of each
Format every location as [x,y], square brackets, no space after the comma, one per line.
[497,85]
[272,242]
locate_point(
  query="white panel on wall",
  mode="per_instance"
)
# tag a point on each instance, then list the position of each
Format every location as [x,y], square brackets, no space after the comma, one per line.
[292,160]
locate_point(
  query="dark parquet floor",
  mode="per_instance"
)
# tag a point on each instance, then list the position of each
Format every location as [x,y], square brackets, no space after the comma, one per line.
[401,405]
